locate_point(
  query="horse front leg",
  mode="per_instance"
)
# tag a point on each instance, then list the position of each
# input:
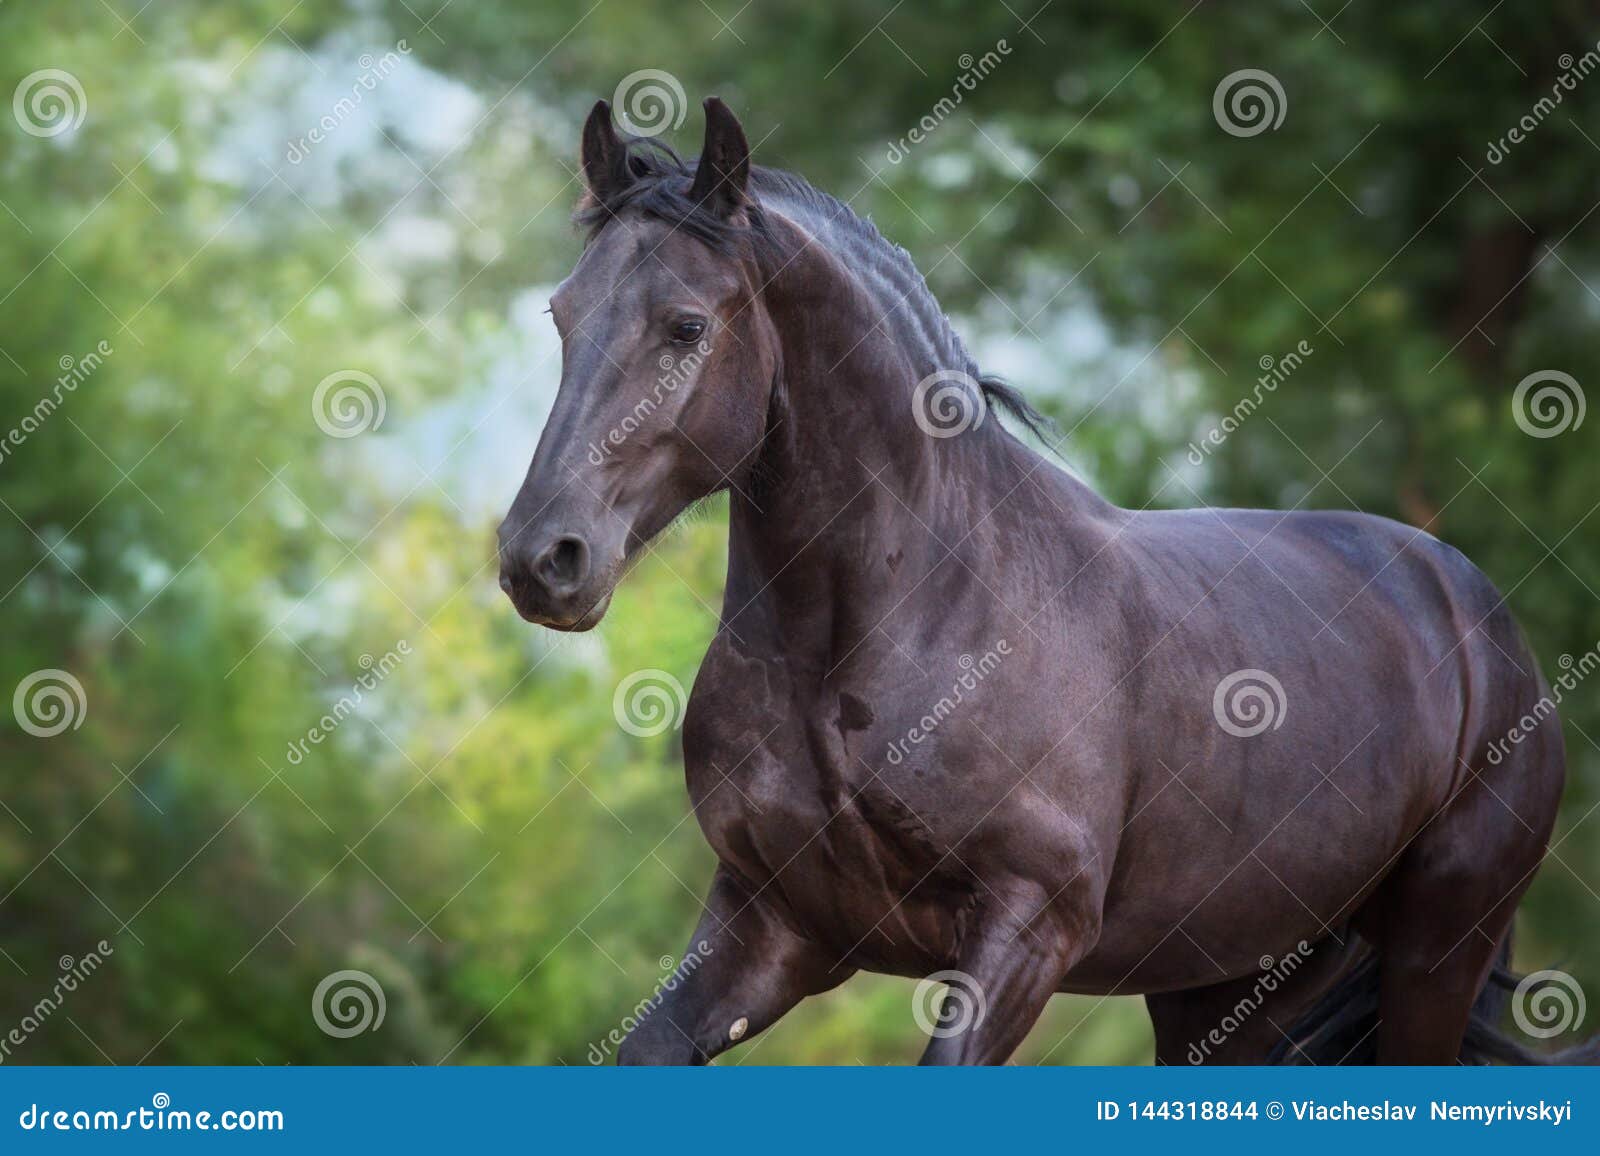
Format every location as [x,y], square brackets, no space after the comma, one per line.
[748,969]
[1013,959]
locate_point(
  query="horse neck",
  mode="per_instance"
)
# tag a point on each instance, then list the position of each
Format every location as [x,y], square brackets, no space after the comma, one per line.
[848,492]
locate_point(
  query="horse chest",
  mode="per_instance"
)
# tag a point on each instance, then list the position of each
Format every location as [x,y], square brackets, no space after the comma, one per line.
[782,798]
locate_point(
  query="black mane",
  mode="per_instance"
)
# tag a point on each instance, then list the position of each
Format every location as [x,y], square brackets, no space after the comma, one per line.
[660,189]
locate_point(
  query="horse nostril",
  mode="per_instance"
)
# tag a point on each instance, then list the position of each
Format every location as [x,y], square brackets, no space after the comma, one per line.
[565,564]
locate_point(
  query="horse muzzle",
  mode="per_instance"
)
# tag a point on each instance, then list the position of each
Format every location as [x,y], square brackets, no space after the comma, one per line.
[553,581]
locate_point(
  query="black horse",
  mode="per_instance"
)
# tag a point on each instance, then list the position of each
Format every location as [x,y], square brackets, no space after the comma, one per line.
[964,718]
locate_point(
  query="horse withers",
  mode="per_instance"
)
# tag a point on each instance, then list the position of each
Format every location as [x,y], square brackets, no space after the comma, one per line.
[963,718]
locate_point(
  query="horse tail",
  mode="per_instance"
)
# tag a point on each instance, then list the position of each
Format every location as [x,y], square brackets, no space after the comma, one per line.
[1341,1026]
[1486,1043]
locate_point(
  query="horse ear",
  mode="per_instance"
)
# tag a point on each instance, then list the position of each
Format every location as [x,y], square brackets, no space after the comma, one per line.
[724,169]
[605,161]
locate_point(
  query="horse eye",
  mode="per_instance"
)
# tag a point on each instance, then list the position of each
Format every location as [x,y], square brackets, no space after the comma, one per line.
[688,331]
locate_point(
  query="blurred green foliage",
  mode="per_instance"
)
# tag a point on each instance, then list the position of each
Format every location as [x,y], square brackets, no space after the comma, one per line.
[183,538]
